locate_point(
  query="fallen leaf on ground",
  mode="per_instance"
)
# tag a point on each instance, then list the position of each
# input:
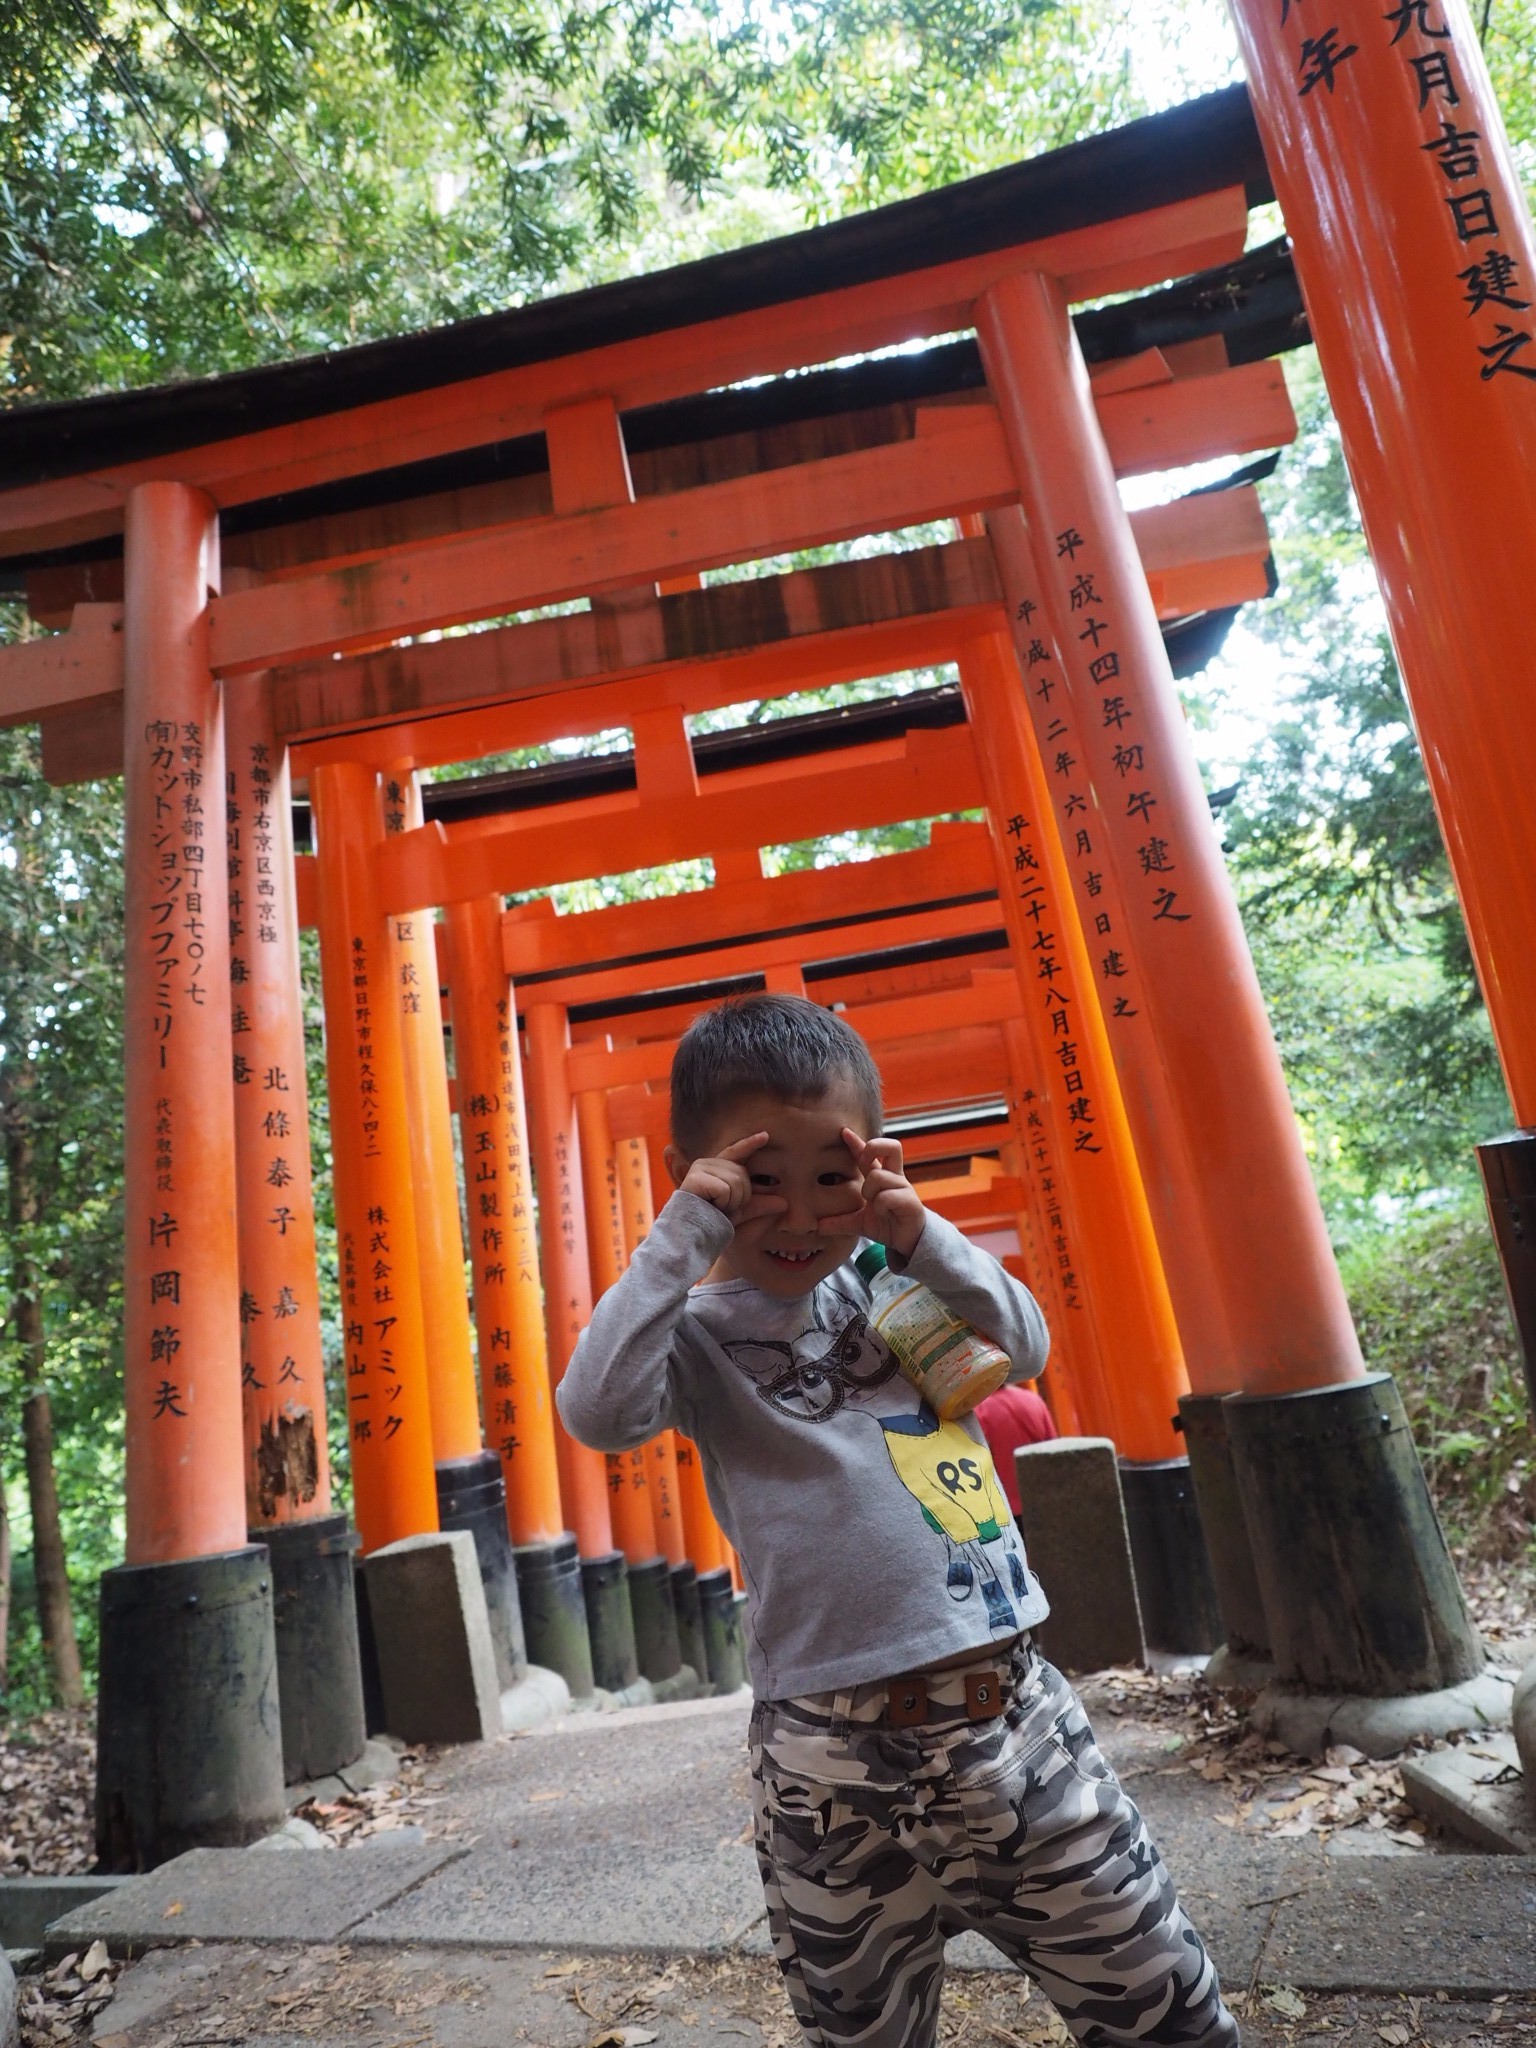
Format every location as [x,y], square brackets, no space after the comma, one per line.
[1289,2004]
[566,1969]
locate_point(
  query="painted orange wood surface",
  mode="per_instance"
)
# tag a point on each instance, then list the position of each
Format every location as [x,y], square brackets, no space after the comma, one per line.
[538,562]
[181,1279]
[504,1256]
[1121,1278]
[1416,255]
[1286,1310]
[932,772]
[282,1366]
[389,1418]
[565,1260]
[1113,256]
[629,1496]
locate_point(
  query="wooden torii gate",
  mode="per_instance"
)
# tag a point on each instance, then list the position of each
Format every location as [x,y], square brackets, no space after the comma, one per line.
[305,541]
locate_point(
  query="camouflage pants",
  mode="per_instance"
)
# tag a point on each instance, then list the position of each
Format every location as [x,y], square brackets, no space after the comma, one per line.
[876,1843]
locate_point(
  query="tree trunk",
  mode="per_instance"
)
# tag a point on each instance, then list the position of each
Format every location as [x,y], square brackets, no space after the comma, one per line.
[55,1615]
[5,1590]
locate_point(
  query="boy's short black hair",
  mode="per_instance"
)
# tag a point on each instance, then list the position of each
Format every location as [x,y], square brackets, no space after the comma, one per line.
[781,1045]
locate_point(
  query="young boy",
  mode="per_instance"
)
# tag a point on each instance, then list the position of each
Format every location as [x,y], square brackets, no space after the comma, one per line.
[917,1767]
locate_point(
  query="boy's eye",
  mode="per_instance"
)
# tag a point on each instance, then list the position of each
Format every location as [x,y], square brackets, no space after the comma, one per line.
[764,1180]
[834,1180]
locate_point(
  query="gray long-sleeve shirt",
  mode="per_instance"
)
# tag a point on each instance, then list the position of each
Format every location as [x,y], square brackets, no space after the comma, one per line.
[873,1538]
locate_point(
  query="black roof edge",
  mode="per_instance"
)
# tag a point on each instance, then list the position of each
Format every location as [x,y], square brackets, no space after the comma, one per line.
[1200,147]
[509,790]
[924,952]
[1191,643]
[1255,295]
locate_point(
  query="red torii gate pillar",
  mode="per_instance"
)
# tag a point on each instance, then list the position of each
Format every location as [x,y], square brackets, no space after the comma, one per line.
[193,1595]
[470,1492]
[638,1212]
[1416,257]
[657,1650]
[1325,1477]
[568,1309]
[1172,1176]
[287,1469]
[388,1412]
[509,1307]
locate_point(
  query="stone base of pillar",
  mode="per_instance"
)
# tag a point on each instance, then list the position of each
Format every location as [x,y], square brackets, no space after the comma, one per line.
[1522,1714]
[190,1750]
[725,1656]
[437,1669]
[539,1695]
[1231,1671]
[1310,1723]
[610,1621]
[472,1495]
[319,1670]
[1508,1166]
[367,1653]
[657,1648]
[1073,1524]
[690,1619]
[1204,1426]
[1174,1586]
[555,1611]
[1358,1586]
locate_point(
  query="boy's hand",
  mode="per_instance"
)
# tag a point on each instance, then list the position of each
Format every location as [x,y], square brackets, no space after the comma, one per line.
[726,1185]
[891,1209]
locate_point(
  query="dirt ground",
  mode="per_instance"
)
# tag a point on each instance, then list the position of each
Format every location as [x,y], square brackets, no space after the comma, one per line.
[229,1997]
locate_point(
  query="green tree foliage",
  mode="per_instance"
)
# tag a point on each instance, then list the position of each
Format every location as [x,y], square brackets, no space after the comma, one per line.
[188,186]
[60,1135]
[1342,871]
[1452,1349]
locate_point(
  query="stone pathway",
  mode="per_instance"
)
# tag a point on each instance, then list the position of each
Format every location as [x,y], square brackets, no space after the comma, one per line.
[591,1884]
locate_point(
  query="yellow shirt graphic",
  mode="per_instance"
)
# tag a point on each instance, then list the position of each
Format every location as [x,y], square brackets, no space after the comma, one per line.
[948,1474]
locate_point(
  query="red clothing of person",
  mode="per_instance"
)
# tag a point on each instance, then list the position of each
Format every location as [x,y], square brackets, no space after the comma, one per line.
[1012,1417]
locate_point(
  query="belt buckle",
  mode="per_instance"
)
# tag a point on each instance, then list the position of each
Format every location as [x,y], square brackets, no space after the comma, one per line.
[907,1703]
[983,1695]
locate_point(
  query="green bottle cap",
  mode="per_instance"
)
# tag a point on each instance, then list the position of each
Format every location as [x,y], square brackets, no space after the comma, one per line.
[870,1261]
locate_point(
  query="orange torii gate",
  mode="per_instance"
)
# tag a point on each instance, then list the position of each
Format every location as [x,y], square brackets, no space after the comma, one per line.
[391,494]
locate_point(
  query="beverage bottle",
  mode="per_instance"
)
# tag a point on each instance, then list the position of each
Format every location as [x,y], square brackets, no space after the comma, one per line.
[951,1365]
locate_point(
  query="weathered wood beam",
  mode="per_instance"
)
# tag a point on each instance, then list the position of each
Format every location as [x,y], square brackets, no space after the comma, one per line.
[931,774]
[613,984]
[716,624]
[957,862]
[59,671]
[1108,257]
[548,561]
[339,539]
[994,1000]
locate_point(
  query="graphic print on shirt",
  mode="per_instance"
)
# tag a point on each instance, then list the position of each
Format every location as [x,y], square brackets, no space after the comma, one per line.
[953,1481]
[811,1376]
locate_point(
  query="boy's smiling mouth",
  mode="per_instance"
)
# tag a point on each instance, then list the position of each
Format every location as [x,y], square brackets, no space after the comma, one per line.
[783,1257]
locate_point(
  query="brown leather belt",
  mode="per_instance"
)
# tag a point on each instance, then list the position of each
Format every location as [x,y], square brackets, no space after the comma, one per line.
[907,1704]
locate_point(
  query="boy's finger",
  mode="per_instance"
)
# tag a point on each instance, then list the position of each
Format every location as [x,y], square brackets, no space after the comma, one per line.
[744,1147]
[846,1223]
[884,1153]
[855,1144]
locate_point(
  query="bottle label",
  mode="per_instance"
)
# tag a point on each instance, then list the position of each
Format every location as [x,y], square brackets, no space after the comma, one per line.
[946,1360]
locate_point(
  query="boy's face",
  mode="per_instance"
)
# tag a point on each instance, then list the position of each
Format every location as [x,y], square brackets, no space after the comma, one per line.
[807,1165]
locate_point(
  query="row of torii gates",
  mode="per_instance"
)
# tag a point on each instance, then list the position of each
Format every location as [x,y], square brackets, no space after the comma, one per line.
[258,578]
